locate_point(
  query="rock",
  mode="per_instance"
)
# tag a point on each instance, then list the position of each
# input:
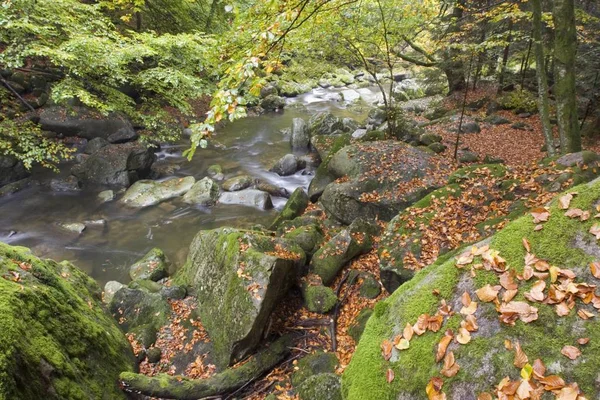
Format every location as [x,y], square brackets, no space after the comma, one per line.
[75,227]
[350,95]
[467,156]
[68,184]
[497,120]
[370,287]
[429,138]
[293,89]
[205,192]
[471,127]
[357,328]
[359,133]
[164,169]
[295,206]
[313,364]
[270,89]
[238,183]
[11,170]
[140,311]
[110,289]
[324,123]
[376,117]
[318,298]
[116,165]
[239,278]
[81,157]
[15,187]
[477,104]
[95,144]
[57,342]
[83,122]
[147,193]
[524,115]
[300,138]
[522,126]
[153,354]
[273,103]
[215,171]
[123,135]
[273,190]
[484,361]
[287,165]
[321,387]
[437,147]
[343,247]
[247,197]
[309,238]
[578,159]
[153,266]
[381,179]
[106,196]
[322,176]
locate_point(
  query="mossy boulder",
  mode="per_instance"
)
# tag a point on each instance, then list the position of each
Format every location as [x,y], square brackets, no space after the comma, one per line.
[326,148]
[313,364]
[205,192]
[356,329]
[321,387]
[383,178]
[325,123]
[57,342]
[295,206]
[484,361]
[147,193]
[239,182]
[239,278]
[309,238]
[369,287]
[343,247]
[153,266]
[318,298]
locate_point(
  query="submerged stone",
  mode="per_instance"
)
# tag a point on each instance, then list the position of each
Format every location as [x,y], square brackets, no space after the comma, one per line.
[148,193]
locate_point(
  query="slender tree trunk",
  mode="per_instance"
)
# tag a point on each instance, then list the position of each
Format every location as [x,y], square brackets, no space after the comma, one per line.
[542,79]
[454,67]
[505,55]
[565,50]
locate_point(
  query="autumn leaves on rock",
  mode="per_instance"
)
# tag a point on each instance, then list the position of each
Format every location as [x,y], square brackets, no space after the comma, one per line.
[512,317]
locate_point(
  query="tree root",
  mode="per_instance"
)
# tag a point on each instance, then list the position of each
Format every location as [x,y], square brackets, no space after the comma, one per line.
[182,388]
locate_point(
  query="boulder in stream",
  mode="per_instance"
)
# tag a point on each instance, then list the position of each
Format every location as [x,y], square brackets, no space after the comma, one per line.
[300,137]
[153,266]
[286,165]
[239,182]
[57,342]
[239,277]
[11,170]
[148,193]
[295,206]
[205,192]
[247,197]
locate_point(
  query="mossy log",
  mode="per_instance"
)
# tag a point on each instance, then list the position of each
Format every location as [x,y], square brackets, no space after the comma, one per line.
[182,388]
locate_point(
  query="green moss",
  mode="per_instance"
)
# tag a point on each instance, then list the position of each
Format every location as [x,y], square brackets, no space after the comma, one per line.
[313,364]
[357,328]
[449,190]
[320,299]
[471,171]
[484,361]
[55,333]
[295,206]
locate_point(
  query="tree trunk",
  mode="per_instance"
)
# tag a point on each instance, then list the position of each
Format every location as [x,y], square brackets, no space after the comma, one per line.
[565,50]
[453,65]
[542,80]
[505,55]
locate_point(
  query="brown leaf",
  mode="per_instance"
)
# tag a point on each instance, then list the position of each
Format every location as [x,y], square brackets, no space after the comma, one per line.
[570,352]
[568,393]
[595,230]
[464,336]
[538,227]
[507,280]
[442,346]
[539,369]
[526,245]
[520,356]
[537,291]
[562,309]
[583,341]
[465,299]
[595,269]
[470,323]
[408,332]
[509,295]
[386,349]
[390,375]
[564,201]
[585,314]
[552,382]
[540,214]
[434,388]
[485,396]
[450,368]
[488,293]
[574,213]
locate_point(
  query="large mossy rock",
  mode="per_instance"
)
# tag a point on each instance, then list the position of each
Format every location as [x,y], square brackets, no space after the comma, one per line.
[295,206]
[239,278]
[153,266]
[484,361]
[380,179]
[327,147]
[116,165]
[147,193]
[205,192]
[56,341]
[84,122]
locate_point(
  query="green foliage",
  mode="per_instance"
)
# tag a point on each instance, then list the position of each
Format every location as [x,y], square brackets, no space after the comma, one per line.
[25,141]
[521,100]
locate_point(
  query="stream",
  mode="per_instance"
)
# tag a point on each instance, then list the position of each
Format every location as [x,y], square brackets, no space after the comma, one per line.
[105,250]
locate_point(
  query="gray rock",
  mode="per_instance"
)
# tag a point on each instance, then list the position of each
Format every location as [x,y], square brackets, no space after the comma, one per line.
[116,165]
[273,103]
[110,289]
[324,123]
[321,387]
[247,197]
[437,147]
[239,280]
[300,138]
[313,364]
[471,127]
[273,190]
[359,133]
[68,184]
[205,192]
[468,156]
[215,171]
[269,89]
[11,170]
[239,182]
[74,227]
[295,206]
[497,120]
[350,95]
[147,193]
[82,122]
[139,308]
[428,138]
[123,135]
[287,165]
[153,266]
[106,196]
[95,144]
[577,159]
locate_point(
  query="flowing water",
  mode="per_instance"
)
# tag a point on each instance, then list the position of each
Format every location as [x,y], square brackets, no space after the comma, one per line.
[105,250]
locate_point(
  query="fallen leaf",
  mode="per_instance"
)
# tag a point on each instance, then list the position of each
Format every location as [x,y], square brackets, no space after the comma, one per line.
[562,309]
[526,245]
[524,390]
[595,230]
[552,382]
[464,336]
[386,349]
[488,293]
[408,332]
[403,344]
[568,393]
[485,396]
[540,214]
[508,295]
[526,371]
[434,388]
[537,291]
[539,369]
[583,341]
[595,269]
[450,368]
[538,227]
[442,346]
[574,213]
[520,356]
[390,375]
[564,201]
[570,352]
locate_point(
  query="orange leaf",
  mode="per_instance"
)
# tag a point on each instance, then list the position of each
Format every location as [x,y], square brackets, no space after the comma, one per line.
[564,201]
[463,336]
[520,356]
[390,375]
[570,352]
[540,214]
[488,293]
[595,269]
[526,245]
[583,341]
[386,349]
[442,346]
